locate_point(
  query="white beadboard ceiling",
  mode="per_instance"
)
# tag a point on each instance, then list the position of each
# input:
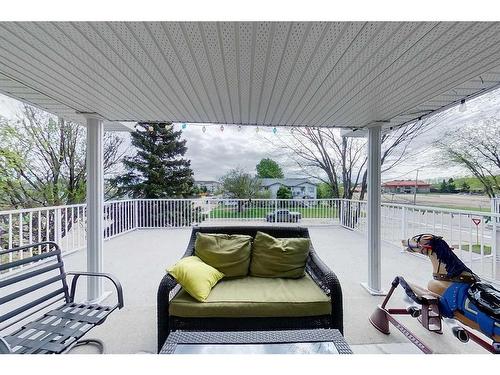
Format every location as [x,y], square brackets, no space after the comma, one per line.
[343,74]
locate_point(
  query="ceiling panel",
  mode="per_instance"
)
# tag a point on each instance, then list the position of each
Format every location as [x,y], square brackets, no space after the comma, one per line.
[342,74]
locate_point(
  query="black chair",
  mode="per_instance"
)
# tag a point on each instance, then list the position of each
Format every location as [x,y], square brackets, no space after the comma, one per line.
[59,329]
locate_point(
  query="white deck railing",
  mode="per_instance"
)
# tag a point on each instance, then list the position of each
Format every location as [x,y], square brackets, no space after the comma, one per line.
[475,235]
[477,245]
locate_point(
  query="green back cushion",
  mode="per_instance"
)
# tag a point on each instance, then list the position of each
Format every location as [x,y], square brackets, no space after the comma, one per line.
[278,257]
[230,254]
[196,277]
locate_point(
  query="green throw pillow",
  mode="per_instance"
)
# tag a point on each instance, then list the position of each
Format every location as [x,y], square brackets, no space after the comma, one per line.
[196,277]
[229,253]
[279,257]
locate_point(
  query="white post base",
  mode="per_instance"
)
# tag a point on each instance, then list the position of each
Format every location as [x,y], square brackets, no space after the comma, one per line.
[374,292]
[99,299]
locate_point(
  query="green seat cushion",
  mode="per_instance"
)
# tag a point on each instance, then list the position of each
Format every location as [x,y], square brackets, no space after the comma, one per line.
[195,277]
[230,254]
[255,297]
[278,257]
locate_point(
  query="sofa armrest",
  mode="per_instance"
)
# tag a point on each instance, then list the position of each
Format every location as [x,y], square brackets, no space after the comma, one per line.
[167,285]
[326,279]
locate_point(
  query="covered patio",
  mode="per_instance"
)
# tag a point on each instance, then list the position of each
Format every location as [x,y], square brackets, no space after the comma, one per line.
[139,260]
[365,77]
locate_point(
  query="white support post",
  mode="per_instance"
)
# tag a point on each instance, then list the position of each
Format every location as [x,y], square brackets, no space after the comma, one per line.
[95,206]
[374,286]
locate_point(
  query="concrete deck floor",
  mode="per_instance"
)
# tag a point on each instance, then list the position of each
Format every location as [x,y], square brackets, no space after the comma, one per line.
[139,260]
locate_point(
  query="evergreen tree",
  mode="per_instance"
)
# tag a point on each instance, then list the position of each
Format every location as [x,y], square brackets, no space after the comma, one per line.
[284,193]
[158,169]
[451,186]
[443,187]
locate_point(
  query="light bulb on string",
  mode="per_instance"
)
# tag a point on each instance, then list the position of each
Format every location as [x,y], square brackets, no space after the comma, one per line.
[204,129]
[239,128]
[462,107]
[222,128]
[275,130]
[257,129]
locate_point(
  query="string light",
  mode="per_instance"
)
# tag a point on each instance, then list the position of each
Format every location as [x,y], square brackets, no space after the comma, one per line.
[222,127]
[463,106]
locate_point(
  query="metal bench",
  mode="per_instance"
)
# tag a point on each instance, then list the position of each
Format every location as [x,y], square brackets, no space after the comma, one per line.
[57,330]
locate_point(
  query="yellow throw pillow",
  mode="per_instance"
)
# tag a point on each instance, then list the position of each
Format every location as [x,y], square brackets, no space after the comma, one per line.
[197,278]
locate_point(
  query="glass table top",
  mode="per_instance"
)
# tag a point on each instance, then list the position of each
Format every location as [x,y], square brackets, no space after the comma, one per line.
[275,348]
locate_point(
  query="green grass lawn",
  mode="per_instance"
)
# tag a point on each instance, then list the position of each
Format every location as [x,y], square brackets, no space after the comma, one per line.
[465,208]
[260,213]
[475,248]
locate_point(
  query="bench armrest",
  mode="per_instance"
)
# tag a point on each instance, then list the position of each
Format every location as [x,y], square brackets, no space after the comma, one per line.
[326,279]
[114,280]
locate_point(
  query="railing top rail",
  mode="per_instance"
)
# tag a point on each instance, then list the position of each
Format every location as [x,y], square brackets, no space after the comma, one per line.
[441,209]
[400,205]
[35,209]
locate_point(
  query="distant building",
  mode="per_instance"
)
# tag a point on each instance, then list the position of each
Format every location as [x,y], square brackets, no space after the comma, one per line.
[211,186]
[301,188]
[406,186]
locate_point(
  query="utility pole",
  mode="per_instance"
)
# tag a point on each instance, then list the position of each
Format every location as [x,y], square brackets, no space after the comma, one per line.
[415,191]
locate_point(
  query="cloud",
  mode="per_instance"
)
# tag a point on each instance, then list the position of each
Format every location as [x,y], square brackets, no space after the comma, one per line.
[215,152]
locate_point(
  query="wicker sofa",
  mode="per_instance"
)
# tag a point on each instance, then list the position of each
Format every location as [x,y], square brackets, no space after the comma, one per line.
[296,316]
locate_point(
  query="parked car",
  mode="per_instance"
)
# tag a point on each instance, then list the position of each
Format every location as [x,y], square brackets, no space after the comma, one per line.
[283,216]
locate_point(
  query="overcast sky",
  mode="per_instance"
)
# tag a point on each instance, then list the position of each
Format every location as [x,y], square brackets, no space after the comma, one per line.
[213,152]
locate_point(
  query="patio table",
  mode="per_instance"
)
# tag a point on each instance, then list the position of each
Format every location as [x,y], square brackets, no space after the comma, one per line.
[310,341]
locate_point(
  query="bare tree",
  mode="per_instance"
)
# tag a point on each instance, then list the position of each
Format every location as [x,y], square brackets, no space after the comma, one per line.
[323,154]
[42,160]
[476,147]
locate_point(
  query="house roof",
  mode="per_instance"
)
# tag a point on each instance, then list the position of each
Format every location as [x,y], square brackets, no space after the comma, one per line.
[290,182]
[397,183]
[319,74]
[206,182]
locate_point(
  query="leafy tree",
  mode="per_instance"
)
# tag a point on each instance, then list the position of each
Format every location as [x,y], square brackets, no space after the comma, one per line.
[158,169]
[42,163]
[443,187]
[324,191]
[465,187]
[241,185]
[451,186]
[475,147]
[42,160]
[268,168]
[284,193]
[324,154]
